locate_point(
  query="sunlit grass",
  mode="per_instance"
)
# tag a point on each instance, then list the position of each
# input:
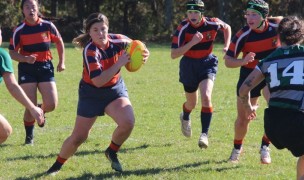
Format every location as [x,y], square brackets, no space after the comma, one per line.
[156,148]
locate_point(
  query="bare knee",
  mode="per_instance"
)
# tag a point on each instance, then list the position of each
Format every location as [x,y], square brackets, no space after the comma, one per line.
[127,125]
[206,100]
[5,131]
[48,107]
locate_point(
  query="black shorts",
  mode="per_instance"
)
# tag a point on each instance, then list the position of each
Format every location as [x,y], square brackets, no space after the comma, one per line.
[285,129]
[244,73]
[193,71]
[92,101]
[36,73]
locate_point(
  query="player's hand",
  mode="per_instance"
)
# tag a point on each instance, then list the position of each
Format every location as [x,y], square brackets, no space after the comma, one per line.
[225,49]
[123,59]
[249,58]
[146,54]
[31,58]
[38,114]
[60,67]
[251,112]
[198,37]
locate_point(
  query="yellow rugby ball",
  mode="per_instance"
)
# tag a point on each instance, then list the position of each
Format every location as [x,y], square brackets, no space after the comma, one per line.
[135,50]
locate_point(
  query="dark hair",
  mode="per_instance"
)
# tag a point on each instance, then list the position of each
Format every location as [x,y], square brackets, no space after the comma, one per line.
[39,13]
[197,5]
[83,39]
[291,30]
[260,6]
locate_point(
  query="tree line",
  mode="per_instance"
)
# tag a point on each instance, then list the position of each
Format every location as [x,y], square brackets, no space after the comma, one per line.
[150,20]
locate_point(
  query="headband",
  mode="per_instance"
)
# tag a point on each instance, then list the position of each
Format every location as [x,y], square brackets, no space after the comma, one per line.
[261,9]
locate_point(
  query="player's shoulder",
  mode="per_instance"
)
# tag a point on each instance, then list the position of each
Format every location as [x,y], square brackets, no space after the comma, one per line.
[243,31]
[118,38]
[19,26]
[211,19]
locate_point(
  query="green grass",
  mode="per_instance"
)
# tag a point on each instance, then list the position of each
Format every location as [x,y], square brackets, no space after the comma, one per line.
[156,148]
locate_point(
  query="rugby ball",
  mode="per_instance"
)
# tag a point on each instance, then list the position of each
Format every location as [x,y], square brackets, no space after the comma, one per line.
[135,50]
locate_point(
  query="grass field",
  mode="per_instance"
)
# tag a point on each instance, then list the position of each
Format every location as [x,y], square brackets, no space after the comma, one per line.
[156,148]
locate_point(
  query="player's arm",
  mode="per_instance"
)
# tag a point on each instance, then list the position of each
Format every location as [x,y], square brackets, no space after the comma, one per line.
[16,91]
[20,58]
[254,78]
[276,19]
[227,36]
[232,62]
[175,53]
[60,50]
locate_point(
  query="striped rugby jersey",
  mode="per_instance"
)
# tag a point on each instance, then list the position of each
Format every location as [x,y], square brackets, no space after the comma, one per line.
[95,59]
[185,31]
[262,43]
[284,73]
[36,39]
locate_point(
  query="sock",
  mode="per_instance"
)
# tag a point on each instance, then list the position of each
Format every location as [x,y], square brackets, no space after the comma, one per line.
[186,113]
[238,144]
[265,141]
[57,165]
[29,128]
[206,115]
[113,147]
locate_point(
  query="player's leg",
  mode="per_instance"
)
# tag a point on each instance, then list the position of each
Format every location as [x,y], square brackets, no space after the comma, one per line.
[300,168]
[5,129]
[241,127]
[49,95]
[121,111]
[190,82]
[30,90]
[191,95]
[206,87]
[80,133]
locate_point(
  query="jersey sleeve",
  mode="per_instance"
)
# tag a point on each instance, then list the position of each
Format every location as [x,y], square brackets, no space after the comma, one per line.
[236,45]
[91,61]
[5,62]
[120,40]
[15,40]
[178,38]
[221,24]
[55,35]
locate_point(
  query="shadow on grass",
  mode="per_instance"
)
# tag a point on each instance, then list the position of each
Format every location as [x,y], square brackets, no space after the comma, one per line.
[139,172]
[80,153]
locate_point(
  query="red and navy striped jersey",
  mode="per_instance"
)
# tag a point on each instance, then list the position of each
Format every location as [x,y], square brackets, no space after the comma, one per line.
[185,31]
[262,43]
[96,60]
[36,39]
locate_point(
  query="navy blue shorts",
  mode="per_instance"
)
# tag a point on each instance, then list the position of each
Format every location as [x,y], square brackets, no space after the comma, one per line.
[285,129]
[35,73]
[92,101]
[193,71]
[244,73]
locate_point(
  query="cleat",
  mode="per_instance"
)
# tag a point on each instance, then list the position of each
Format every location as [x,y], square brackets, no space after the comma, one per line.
[112,157]
[185,126]
[265,155]
[29,140]
[54,169]
[235,155]
[203,141]
[42,125]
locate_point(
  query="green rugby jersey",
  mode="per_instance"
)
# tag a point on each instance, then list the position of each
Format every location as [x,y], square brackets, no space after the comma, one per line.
[284,74]
[5,63]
